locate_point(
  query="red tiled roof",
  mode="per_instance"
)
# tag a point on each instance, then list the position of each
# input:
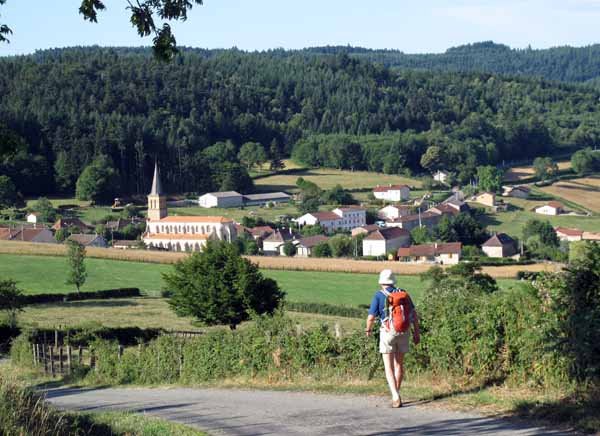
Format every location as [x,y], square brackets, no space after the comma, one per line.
[555,204]
[186,236]
[568,232]
[195,219]
[389,188]
[261,230]
[311,241]
[326,216]
[387,233]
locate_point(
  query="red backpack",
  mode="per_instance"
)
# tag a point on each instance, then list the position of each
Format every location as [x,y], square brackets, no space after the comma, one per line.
[398,311]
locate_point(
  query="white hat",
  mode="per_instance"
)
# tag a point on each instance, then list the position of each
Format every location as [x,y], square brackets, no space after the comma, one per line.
[386,277]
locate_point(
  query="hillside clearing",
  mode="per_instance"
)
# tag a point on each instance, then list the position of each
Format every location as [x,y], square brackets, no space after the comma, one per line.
[515,174]
[327,178]
[584,191]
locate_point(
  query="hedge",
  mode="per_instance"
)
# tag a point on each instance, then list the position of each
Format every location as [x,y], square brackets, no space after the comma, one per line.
[326,309]
[74,296]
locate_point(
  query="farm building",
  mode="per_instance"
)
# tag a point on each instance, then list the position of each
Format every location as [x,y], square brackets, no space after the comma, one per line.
[273,244]
[392,192]
[89,240]
[428,219]
[570,235]
[26,234]
[500,245]
[441,176]
[304,246]
[221,199]
[384,240]
[516,191]
[342,218]
[486,198]
[181,233]
[442,253]
[445,209]
[266,198]
[392,212]
[551,208]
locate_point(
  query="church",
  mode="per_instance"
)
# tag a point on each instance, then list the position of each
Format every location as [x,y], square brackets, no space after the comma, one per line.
[181,233]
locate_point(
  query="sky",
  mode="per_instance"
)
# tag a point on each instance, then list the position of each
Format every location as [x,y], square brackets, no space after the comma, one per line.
[426,26]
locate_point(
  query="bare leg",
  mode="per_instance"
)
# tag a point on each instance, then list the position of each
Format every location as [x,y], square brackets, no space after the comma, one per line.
[398,369]
[388,363]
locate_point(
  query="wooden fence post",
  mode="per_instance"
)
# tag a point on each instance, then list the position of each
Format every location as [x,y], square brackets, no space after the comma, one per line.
[52,361]
[80,356]
[56,338]
[120,352]
[34,356]
[92,359]
[338,330]
[69,359]
[180,359]
[61,367]
[45,358]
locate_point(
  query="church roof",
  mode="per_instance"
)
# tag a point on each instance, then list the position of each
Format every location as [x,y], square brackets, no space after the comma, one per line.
[195,219]
[180,236]
[156,185]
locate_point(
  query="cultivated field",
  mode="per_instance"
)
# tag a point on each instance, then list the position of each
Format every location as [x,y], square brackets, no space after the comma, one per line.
[584,191]
[275,263]
[327,178]
[515,174]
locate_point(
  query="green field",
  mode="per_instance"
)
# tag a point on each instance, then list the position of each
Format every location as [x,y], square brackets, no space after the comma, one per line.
[37,274]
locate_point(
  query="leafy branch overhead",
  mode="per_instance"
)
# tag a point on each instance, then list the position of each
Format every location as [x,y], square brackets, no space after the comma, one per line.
[4,29]
[144,14]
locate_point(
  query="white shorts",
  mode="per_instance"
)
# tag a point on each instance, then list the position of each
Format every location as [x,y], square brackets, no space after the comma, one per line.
[393,344]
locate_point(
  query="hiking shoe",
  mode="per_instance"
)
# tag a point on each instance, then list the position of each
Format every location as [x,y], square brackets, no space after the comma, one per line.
[396,403]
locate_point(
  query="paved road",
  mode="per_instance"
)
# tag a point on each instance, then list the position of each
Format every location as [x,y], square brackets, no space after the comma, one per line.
[239,412]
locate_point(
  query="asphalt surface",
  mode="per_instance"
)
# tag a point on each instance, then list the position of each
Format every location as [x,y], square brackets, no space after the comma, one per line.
[241,412]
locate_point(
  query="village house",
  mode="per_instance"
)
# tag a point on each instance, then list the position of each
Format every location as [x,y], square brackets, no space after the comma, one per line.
[385,240]
[500,245]
[27,234]
[364,230]
[551,208]
[441,176]
[445,209]
[442,253]
[273,244]
[304,246]
[221,199]
[181,233]
[428,219]
[520,191]
[392,192]
[33,218]
[125,244]
[342,218]
[570,235]
[266,198]
[89,240]
[392,212]
[71,223]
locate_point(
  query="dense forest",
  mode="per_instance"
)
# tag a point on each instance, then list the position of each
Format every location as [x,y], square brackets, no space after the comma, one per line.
[62,109]
[567,64]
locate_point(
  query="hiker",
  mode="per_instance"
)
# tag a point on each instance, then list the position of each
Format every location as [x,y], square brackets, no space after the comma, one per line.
[396,312]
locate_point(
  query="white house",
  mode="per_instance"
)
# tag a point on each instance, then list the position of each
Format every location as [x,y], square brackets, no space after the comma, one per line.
[382,241]
[392,192]
[500,245]
[342,218]
[441,176]
[273,244]
[442,253]
[570,235]
[33,218]
[551,208]
[305,246]
[181,233]
[392,212]
[221,199]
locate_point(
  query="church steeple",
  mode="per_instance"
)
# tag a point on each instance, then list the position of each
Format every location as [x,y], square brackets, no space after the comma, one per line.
[156,185]
[157,201]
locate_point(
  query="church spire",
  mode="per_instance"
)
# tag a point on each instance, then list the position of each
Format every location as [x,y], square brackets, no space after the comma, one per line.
[156,185]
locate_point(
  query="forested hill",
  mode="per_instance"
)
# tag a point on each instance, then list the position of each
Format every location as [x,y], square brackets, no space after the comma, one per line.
[63,108]
[567,64]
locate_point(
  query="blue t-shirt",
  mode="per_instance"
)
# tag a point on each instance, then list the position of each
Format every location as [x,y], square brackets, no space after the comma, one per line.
[377,308]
